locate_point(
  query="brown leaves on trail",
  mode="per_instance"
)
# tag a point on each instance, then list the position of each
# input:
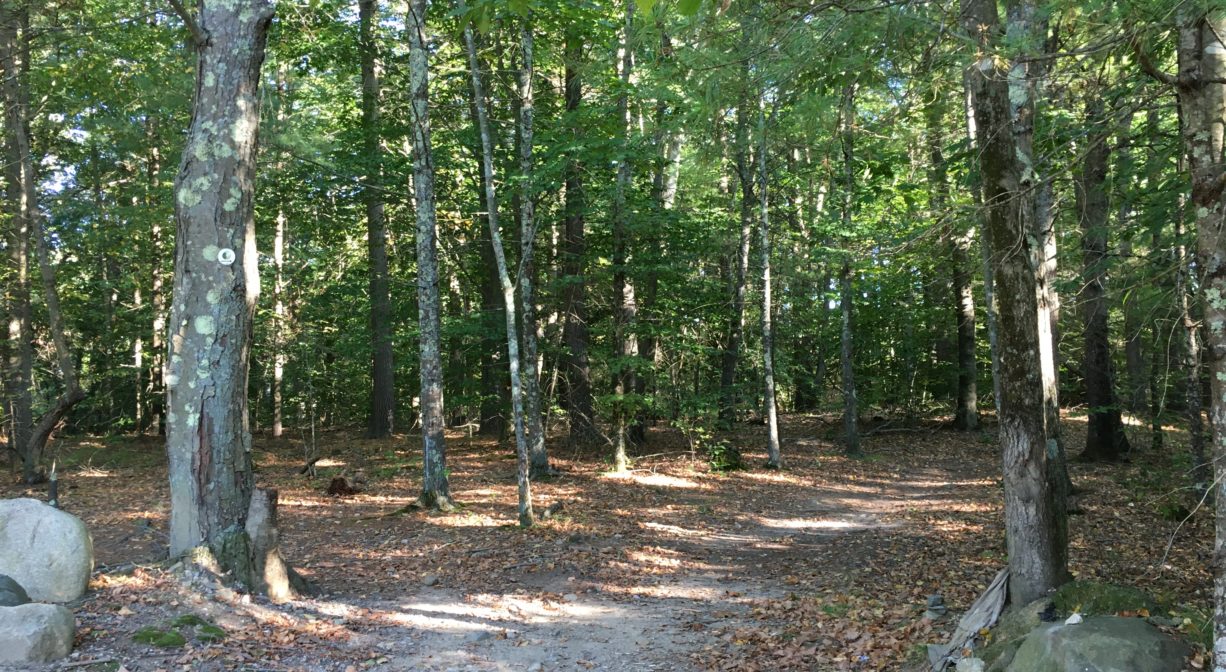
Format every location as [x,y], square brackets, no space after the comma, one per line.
[826,565]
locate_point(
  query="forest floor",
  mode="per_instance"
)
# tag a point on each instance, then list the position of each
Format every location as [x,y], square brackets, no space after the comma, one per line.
[825,565]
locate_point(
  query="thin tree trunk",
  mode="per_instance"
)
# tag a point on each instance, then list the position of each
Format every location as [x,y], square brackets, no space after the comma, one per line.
[736,322]
[504,278]
[383,390]
[278,283]
[625,303]
[538,457]
[1105,439]
[1035,519]
[435,488]
[851,408]
[774,459]
[985,246]
[157,296]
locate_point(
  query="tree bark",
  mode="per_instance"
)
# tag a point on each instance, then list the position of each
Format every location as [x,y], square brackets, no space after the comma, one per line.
[851,406]
[736,322]
[1035,518]
[1105,438]
[526,518]
[625,303]
[774,459]
[216,284]
[435,486]
[383,390]
[579,406]
[985,246]
[538,457]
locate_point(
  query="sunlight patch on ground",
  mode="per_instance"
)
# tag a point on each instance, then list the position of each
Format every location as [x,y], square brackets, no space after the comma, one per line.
[807,524]
[783,477]
[659,480]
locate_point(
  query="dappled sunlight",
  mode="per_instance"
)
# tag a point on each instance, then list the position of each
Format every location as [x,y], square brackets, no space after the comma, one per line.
[651,478]
[807,524]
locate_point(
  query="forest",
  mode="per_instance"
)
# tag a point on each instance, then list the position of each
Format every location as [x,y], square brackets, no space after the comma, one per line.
[619,334]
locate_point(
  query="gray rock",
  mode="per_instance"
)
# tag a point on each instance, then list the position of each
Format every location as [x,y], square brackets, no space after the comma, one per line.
[47,551]
[11,592]
[969,665]
[35,633]
[1100,644]
[535,667]
[429,580]
[478,636]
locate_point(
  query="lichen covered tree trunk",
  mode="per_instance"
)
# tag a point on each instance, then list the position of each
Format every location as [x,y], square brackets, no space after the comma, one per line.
[435,486]
[216,283]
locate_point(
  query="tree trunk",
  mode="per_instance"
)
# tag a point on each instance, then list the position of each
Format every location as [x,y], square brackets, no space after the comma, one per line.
[851,406]
[538,457]
[435,488]
[504,278]
[1105,439]
[773,458]
[579,405]
[27,225]
[966,409]
[1035,519]
[736,322]
[985,246]
[216,284]
[157,294]
[625,303]
[383,390]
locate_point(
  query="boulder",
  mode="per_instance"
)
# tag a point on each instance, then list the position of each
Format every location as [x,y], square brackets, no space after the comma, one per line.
[1100,644]
[11,592]
[47,551]
[35,633]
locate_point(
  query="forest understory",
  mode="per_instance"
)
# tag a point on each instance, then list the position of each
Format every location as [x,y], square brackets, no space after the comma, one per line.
[825,565]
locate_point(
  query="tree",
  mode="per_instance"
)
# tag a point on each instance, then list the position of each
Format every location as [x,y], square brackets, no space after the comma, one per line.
[1035,519]
[773,458]
[526,518]
[435,488]
[216,285]
[383,389]
[626,311]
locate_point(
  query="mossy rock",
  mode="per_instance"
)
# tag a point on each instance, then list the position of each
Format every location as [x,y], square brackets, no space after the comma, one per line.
[1091,598]
[1012,628]
[165,639]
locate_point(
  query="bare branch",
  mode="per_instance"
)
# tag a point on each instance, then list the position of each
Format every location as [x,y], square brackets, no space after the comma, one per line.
[1148,65]
[199,35]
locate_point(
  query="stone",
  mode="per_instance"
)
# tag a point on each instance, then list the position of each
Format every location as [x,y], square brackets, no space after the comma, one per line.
[47,551]
[11,592]
[429,580]
[35,633]
[1100,644]
[478,636]
[969,665]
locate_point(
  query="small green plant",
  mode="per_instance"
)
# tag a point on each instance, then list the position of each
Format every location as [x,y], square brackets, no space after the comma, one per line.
[204,630]
[724,457]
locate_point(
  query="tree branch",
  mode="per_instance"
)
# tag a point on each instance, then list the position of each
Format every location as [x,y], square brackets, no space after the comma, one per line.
[1148,65]
[199,35]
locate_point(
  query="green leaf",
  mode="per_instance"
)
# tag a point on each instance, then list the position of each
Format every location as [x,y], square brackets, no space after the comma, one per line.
[688,7]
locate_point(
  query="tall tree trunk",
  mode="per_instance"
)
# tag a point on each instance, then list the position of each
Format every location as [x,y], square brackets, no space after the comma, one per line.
[1035,519]
[774,459]
[538,457]
[1134,344]
[625,303]
[278,282]
[736,321]
[579,405]
[1105,439]
[1202,107]
[504,278]
[966,409]
[383,390]
[1027,27]
[435,488]
[851,406]
[985,246]
[216,284]
[157,295]
[27,223]
[494,391]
